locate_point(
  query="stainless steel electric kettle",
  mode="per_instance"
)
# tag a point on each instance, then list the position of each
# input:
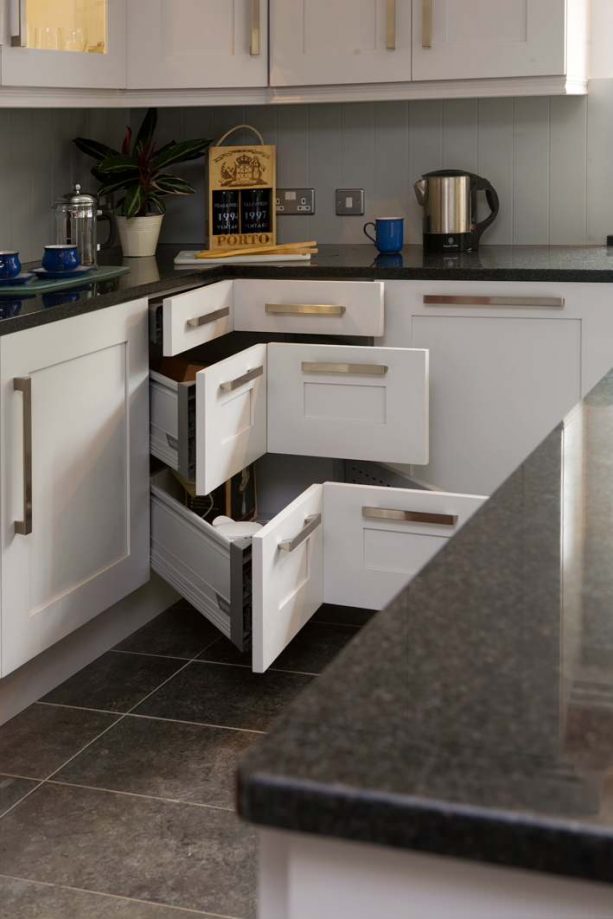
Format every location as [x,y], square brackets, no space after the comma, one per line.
[449,200]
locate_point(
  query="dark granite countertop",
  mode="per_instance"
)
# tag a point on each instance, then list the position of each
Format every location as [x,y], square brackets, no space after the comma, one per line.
[155,276]
[474,716]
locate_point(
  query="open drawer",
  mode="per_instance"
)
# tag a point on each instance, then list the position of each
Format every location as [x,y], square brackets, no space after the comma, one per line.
[301,399]
[335,543]
[194,317]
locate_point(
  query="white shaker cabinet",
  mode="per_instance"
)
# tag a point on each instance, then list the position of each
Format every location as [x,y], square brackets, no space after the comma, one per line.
[64,45]
[499,38]
[74,469]
[315,42]
[506,364]
[183,44]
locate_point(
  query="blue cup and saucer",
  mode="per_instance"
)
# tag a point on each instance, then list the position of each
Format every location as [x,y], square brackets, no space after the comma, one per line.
[10,270]
[59,262]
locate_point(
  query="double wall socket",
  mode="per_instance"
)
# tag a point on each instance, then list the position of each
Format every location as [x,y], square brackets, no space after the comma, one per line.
[349,202]
[295,201]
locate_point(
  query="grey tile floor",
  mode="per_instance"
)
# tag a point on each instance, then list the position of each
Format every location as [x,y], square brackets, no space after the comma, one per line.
[117,788]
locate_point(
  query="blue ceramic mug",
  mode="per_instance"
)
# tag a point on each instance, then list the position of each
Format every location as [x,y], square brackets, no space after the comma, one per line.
[61,258]
[389,234]
[10,266]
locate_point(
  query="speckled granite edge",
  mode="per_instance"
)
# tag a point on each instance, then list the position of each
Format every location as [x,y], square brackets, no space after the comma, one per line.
[439,827]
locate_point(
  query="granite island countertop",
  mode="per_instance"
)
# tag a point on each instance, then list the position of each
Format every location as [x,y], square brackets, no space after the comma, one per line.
[474,716]
[157,276]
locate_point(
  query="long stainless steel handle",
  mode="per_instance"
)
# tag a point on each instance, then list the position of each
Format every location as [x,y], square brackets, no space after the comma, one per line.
[305,309]
[255,45]
[210,317]
[356,370]
[527,302]
[310,523]
[231,385]
[19,14]
[24,386]
[390,25]
[390,513]
[426,23]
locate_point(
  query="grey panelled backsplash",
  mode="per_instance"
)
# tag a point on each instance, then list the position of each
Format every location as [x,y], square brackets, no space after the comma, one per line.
[38,162]
[550,159]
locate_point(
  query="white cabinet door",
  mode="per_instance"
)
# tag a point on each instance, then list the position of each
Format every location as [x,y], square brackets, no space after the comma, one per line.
[469,39]
[287,576]
[377,539]
[313,42]
[197,44]
[78,390]
[348,402]
[65,44]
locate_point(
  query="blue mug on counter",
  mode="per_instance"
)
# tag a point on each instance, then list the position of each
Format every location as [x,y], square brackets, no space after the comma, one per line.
[61,258]
[389,234]
[10,266]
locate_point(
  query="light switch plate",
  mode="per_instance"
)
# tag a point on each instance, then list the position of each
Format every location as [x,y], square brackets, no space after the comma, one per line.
[292,201]
[349,202]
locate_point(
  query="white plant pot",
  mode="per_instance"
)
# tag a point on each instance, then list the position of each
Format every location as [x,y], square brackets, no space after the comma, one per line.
[139,235]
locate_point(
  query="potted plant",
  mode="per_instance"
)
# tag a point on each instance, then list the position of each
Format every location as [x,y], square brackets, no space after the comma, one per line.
[139,171]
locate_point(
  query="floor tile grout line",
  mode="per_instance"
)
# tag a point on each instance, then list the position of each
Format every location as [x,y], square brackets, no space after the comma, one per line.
[114,896]
[203,660]
[133,714]
[157,688]
[17,803]
[164,657]
[137,794]
[119,718]
[81,708]
[17,775]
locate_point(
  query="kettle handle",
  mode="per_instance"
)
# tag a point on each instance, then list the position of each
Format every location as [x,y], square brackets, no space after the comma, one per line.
[478,183]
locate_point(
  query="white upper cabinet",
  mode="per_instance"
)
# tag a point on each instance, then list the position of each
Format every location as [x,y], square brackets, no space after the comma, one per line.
[315,42]
[183,44]
[64,44]
[475,39]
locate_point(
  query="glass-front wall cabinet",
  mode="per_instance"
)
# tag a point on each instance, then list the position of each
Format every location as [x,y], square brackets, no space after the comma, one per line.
[73,44]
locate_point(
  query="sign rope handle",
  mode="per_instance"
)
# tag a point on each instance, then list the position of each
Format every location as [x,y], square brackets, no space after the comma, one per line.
[248,127]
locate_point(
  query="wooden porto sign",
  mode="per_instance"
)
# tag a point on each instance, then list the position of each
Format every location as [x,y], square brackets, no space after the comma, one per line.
[242,188]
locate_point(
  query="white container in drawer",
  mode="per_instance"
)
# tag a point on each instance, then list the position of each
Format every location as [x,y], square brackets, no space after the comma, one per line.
[340,401]
[309,307]
[196,316]
[316,550]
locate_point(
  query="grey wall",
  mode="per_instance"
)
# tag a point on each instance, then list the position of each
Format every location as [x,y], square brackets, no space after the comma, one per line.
[38,162]
[550,159]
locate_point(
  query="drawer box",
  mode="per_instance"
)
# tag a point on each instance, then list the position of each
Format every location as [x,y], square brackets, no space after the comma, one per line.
[337,401]
[197,316]
[335,543]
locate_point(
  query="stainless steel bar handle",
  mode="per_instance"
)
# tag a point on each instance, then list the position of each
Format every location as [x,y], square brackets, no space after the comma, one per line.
[426,23]
[527,302]
[210,317]
[19,14]
[356,370]
[305,309]
[310,523]
[247,377]
[24,386]
[255,45]
[390,25]
[390,513]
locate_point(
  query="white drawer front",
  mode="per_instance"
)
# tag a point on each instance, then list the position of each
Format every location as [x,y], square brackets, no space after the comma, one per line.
[231,416]
[197,316]
[309,307]
[377,539]
[348,402]
[287,576]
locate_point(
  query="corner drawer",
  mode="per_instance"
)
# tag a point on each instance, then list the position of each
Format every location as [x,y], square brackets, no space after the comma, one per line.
[335,543]
[334,401]
[195,317]
[309,307]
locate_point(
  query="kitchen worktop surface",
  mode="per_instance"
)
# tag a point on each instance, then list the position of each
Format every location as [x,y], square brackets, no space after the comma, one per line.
[474,716]
[155,276]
